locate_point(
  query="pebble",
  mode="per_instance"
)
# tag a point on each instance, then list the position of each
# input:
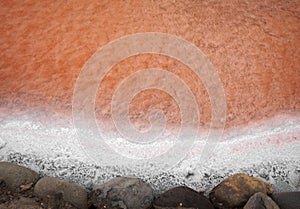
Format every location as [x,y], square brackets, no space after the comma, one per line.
[182,197]
[287,200]
[56,189]
[15,176]
[234,191]
[260,201]
[122,192]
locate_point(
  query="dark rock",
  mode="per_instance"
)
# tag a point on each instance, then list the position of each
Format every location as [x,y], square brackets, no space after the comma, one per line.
[122,192]
[235,191]
[22,202]
[287,200]
[260,201]
[2,183]
[15,176]
[182,197]
[55,190]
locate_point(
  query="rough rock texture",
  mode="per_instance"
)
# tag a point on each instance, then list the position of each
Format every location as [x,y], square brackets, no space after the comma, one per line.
[23,202]
[235,191]
[26,199]
[54,190]
[122,192]
[287,200]
[254,46]
[260,201]
[182,197]
[16,176]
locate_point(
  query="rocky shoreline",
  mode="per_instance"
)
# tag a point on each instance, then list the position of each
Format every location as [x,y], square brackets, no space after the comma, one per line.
[22,187]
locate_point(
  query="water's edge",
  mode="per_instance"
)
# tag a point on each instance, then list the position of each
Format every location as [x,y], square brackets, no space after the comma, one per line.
[268,149]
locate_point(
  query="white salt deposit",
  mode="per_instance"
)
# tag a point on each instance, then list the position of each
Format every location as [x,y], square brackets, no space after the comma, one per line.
[268,149]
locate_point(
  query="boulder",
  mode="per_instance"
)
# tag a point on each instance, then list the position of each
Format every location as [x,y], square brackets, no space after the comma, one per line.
[122,192]
[15,176]
[287,200]
[182,197]
[56,189]
[260,201]
[235,191]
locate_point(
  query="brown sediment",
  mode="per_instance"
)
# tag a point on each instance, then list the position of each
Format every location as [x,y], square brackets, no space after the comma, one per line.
[254,46]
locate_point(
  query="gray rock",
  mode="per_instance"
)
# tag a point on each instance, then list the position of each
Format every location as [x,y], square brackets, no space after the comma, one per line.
[15,176]
[287,200]
[123,192]
[53,188]
[260,201]
[2,183]
[182,197]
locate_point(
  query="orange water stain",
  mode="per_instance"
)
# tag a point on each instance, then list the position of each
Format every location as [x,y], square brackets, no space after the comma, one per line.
[253,46]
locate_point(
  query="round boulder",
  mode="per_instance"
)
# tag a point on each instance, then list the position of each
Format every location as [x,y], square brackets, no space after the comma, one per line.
[235,191]
[122,192]
[260,201]
[15,176]
[49,187]
[182,197]
[287,200]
